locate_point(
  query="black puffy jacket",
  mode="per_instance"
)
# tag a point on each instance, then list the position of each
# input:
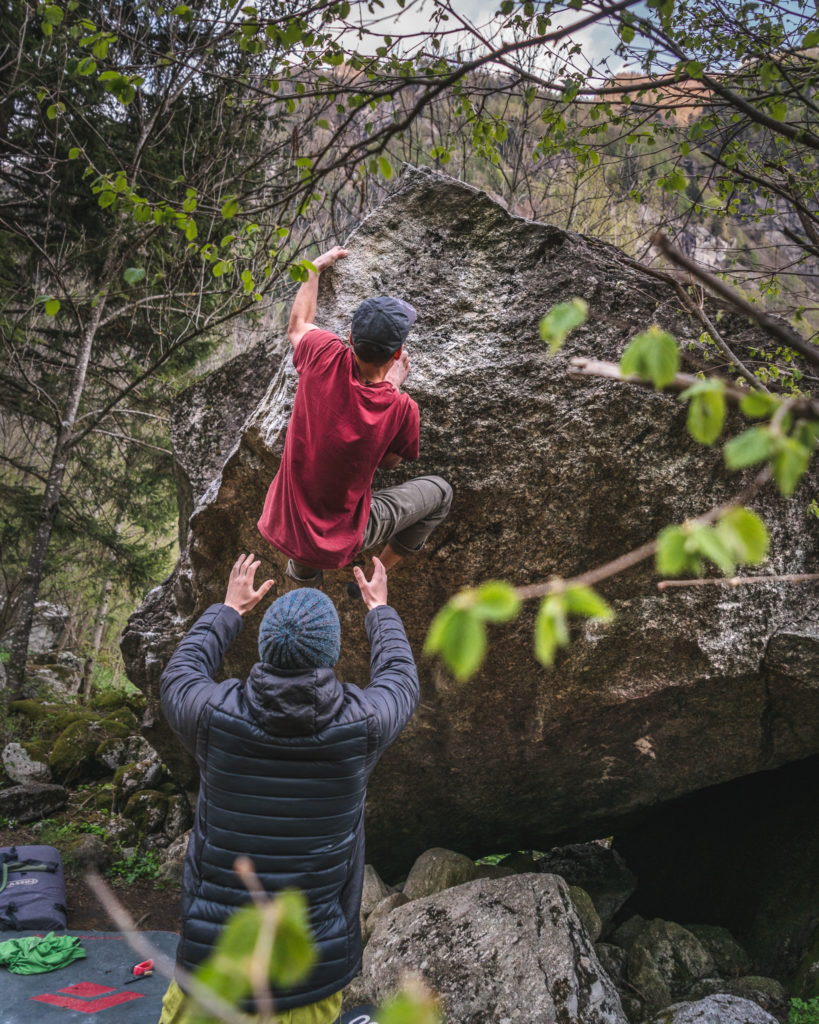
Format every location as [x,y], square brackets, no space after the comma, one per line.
[284,760]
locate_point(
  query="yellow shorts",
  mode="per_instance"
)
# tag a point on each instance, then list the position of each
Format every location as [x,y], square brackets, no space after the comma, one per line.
[175,1009]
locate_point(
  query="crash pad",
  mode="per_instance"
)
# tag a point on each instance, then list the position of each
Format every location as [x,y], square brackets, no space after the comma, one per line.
[90,990]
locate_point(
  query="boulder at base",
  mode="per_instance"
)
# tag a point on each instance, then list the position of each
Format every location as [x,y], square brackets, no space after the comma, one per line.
[552,476]
[493,950]
[719,1009]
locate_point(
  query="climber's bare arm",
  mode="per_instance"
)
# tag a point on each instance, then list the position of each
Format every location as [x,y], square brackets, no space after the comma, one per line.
[390,461]
[304,305]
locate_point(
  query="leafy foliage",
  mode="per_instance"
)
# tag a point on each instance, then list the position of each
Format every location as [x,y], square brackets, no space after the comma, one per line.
[804,1011]
[228,970]
[652,355]
[560,320]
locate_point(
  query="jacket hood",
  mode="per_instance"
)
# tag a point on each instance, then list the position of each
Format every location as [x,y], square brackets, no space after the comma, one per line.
[293,704]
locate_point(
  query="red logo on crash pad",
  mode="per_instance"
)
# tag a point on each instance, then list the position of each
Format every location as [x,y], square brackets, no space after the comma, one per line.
[87,997]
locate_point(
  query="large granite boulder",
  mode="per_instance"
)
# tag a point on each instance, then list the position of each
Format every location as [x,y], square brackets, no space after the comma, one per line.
[551,476]
[495,950]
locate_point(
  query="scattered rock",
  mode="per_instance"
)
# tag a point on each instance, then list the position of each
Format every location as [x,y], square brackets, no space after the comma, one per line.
[381,910]
[664,962]
[435,870]
[122,831]
[72,757]
[32,802]
[717,1009]
[172,860]
[730,959]
[90,853]
[612,959]
[625,934]
[147,809]
[48,627]
[510,949]
[584,908]
[599,870]
[21,767]
[131,778]
[111,754]
[373,890]
[766,992]
[355,994]
[179,817]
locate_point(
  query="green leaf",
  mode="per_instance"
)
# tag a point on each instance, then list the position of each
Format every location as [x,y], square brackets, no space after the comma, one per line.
[694,69]
[811,39]
[459,636]
[133,275]
[671,558]
[560,320]
[778,110]
[807,433]
[705,541]
[584,601]
[87,66]
[191,230]
[220,268]
[496,601]
[247,281]
[652,355]
[52,307]
[55,110]
[752,446]
[293,951]
[744,533]
[106,198]
[626,33]
[231,208]
[759,404]
[53,15]
[408,1008]
[385,167]
[789,464]
[706,410]
[74,152]
[551,629]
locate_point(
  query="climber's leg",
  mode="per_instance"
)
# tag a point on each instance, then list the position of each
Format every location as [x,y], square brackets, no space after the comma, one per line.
[403,517]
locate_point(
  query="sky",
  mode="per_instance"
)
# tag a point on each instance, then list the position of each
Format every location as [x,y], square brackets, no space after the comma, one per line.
[597,41]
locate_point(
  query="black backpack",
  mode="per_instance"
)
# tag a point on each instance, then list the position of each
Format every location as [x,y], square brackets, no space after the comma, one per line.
[32,889]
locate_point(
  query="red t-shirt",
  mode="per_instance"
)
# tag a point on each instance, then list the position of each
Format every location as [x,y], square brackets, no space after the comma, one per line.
[340,429]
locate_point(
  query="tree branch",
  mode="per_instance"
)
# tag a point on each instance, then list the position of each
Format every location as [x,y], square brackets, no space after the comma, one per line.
[783,333]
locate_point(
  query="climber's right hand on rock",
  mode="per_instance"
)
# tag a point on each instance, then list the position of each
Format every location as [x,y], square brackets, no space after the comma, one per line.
[374,590]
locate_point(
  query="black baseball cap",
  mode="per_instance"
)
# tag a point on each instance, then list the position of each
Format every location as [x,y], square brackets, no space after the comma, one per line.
[383,323]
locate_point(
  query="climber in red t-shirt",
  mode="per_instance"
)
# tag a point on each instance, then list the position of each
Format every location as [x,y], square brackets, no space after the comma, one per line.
[349,417]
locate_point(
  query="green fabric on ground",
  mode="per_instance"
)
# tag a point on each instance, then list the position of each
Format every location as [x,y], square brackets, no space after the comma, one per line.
[34,954]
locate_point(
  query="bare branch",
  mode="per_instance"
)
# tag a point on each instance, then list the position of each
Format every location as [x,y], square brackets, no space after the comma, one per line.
[782,332]
[736,581]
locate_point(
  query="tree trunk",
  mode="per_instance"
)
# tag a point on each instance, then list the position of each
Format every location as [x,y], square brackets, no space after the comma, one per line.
[96,638]
[18,636]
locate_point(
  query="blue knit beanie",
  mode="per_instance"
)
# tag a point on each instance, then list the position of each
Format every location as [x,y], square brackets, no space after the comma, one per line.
[300,630]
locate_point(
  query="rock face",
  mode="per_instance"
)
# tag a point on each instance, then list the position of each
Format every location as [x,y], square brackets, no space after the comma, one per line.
[550,477]
[494,950]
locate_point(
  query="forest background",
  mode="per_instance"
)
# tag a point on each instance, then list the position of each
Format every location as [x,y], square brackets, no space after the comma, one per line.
[167,172]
